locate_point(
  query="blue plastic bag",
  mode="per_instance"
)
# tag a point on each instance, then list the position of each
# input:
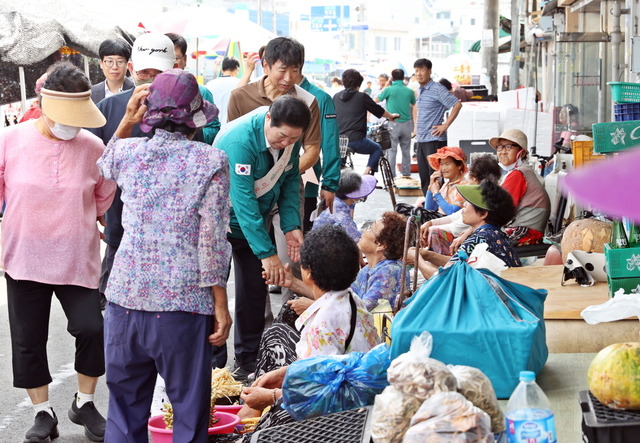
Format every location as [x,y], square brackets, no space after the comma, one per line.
[321,385]
[477,319]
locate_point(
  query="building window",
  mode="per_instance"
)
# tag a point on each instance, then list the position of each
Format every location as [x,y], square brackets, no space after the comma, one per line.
[396,44]
[381,44]
[473,22]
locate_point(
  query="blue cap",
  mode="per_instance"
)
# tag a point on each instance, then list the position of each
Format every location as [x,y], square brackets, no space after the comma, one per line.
[527,376]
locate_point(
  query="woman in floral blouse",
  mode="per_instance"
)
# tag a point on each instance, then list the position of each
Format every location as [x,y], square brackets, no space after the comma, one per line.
[167,291]
[330,326]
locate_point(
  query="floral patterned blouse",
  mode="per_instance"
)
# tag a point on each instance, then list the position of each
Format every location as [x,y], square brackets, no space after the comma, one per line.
[381,281]
[499,245]
[175,193]
[341,217]
[326,325]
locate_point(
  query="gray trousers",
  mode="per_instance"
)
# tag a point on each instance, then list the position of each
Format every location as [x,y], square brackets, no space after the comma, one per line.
[400,135]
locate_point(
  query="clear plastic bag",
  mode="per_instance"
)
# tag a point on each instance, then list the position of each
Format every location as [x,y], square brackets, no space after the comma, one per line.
[477,388]
[417,375]
[321,385]
[391,415]
[449,417]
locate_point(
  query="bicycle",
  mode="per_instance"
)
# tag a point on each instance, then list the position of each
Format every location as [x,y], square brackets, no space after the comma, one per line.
[377,134]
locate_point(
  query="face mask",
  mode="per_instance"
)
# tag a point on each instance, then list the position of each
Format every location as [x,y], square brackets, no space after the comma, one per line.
[64,132]
[510,167]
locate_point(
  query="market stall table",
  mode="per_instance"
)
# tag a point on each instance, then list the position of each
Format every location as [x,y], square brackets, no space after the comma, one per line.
[561,379]
[566,330]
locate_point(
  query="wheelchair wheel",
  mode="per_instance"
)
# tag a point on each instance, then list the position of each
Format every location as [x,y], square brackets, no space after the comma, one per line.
[387,179]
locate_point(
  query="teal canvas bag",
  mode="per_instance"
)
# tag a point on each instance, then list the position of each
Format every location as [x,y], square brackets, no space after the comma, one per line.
[477,319]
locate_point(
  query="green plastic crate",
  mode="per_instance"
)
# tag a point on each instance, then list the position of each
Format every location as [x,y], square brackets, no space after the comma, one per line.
[615,136]
[623,262]
[630,285]
[624,92]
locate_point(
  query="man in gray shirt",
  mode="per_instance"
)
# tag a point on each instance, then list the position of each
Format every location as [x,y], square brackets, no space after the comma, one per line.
[432,101]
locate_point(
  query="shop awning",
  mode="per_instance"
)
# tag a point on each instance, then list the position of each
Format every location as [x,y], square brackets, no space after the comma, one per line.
[504,37]
[505,46]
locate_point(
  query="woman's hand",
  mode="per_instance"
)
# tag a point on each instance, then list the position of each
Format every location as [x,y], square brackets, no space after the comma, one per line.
[424,234]
[434,182]
[284,277]
[272,379]
[258,397]
[411,256]
[221,317]
[294,241]
[136,107]
[455,245]
[299,305]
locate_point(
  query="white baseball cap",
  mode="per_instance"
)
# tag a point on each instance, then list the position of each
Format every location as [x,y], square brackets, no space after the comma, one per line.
[153,51]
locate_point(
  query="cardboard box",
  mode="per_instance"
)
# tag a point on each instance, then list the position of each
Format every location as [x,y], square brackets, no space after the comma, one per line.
[409,192]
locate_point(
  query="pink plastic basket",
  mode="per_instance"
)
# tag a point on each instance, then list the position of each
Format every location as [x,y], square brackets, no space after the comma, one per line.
[160,434]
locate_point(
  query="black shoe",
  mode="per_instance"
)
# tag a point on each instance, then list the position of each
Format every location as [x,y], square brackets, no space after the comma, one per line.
[44,429]
[243,375]
[89,417]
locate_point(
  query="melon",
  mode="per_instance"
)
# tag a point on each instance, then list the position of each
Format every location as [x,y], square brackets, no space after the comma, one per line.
[587,234]
[614,376]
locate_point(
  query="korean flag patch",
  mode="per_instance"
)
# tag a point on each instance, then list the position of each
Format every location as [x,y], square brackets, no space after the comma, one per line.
[243,169]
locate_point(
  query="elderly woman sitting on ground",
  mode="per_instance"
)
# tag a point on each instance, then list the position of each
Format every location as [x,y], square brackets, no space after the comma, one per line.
[439,233]
[525,187]
[382,244]
[352,188]
[337,322]
[486,209]
[450,166]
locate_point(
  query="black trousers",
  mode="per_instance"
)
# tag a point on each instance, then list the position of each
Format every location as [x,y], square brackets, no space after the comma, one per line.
[424,170]
[29,305]
[251,295]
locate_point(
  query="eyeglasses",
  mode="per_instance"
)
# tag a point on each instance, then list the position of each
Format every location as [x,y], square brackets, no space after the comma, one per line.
[109,63]
[145,75]
[506,147]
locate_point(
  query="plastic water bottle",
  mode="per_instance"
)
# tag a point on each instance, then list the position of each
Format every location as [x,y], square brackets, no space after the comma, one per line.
[529,416]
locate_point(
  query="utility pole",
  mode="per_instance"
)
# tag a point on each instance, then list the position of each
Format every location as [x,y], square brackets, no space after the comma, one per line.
[274,17]
[260,12]
[514,74]
[490,45]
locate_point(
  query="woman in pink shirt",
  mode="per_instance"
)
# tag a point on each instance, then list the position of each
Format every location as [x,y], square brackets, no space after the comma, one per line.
[51,243]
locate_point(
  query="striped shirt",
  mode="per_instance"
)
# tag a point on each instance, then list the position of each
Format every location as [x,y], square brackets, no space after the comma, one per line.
[432,102]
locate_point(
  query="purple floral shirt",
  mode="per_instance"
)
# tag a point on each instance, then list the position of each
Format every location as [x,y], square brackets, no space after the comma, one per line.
[176,215]
[381,281]
[341,217]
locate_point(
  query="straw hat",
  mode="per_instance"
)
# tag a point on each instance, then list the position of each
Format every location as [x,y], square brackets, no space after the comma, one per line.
[448,151]
[513,135]
[71,108]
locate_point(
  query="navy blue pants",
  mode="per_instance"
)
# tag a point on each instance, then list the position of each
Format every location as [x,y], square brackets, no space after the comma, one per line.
[138,346]
[368,146]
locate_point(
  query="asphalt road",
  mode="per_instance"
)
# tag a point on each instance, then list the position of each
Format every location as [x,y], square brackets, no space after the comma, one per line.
[16,413]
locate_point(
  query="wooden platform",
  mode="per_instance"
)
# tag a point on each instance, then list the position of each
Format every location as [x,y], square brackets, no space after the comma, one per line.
[566,330]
